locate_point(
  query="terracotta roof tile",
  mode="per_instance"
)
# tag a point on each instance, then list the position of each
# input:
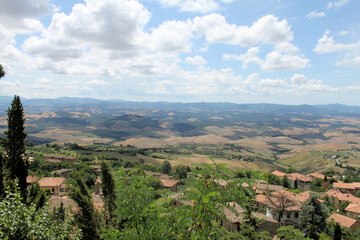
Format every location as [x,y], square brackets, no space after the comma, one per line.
[168,183]
[298,176]
[317,175]
[342,220]
[51,181]
[31,179]
[278,173]
[353,208]
[343,196]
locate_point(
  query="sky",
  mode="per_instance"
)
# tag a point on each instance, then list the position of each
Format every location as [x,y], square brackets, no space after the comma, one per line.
[241,51]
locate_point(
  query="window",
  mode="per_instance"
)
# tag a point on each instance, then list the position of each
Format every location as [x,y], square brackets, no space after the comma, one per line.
[296,215]
[61,190]
[53,190]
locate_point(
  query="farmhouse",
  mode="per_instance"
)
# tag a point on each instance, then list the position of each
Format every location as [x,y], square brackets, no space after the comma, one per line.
[52,184]
[53,158]
[351,188]
[353,211]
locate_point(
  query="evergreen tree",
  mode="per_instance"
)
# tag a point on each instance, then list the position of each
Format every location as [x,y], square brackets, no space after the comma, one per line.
[166,167]
[313,217]
[285,182]
[108,190]
[14,145]
[2,72]
[1,177]
[36,195]
[85,218]
[337,232]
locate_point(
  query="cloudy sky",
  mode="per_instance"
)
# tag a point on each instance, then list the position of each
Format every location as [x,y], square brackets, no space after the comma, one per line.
[243,51]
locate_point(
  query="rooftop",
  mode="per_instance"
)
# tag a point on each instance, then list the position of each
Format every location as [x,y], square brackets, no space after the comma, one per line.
[51,181]
[342,220]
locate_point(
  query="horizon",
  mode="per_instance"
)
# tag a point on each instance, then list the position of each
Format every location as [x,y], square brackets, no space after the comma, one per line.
[243,52]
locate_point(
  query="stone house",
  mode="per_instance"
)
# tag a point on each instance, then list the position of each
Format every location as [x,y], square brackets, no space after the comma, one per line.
[353,211]
[345,221]
[52,184]
[351,188]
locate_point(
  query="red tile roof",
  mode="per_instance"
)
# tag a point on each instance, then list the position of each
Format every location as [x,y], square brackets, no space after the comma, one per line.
[317,175]
[298,176]
[353,208]
[343,196]
[31,179]
[169,183]
[51,181]
[278,173]
[342,220]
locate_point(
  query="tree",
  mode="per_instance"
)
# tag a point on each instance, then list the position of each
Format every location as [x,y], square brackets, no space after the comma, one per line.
[36,195]
[290,233]
[21,221]
[1,177]
[337,232]
[14,145]
[166,167]
[290,170]
[181,172]
[279,203]
[313,217]
[108,190]
[285,182]
[2,72]
[85,218]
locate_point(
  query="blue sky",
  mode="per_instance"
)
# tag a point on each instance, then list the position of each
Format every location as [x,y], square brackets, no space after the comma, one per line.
[271,51]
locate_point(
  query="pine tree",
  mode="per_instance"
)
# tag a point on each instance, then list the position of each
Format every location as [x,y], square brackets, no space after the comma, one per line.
[1,177]
[166,167]
[108,190]
[337,232]
[14,145]
[86,217]
[2,72]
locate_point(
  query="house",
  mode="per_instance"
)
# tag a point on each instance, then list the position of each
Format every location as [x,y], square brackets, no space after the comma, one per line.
[288,202]
[53,158]
[353,211]
[177,202]
[279,174]
[262,188]
[67,203]
[317,175]
[52,184]
[62,172]
[336,197]
[31,179]
[234,215]
[345,221]
[169,183]
[303,182]
[351,188]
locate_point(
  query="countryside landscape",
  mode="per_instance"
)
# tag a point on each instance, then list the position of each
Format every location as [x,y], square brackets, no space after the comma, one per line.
[179,120]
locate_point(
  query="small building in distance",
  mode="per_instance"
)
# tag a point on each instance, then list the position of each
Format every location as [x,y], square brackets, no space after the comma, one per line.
[353,211]
[351,188]
[170,184]
[62,172]
[31,179]
[54,158]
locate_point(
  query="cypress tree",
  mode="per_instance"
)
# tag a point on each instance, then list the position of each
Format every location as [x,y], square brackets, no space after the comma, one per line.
[2,72]
[108,190]
[1,177]
[14,145]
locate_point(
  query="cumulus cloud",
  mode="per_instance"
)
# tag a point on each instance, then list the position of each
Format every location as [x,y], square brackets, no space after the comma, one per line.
[316,14]
[196,60]
[337,4]
[201,6]
[327,44]
[21,15]
[249,57]
[268,29]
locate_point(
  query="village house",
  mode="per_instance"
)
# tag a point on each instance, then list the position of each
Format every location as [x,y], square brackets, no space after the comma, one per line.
[290,202]
[345,221]
[336,197]
[351,188]
[279,174]
[303,182]
[233,221]
[353,211]
[170,184]
[97,187]
[52,185]
[62,172]
[262,188]
[317,175]
[177,202]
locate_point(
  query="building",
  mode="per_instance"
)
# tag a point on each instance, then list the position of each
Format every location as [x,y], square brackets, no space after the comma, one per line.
[279,174]
[303,182]
[31,179]
[351,188]
[97,187]
[262,188]
[52,185]
[170,184]
[234,215]
[353,211]
[53,158]
[317,175]
[345,221]
[177,201]
[62,172]
[336,197]
[290,204]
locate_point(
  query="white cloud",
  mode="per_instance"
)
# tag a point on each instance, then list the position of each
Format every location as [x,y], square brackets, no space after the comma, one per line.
[343,33]
[96,82]
[316,14]
[196,60]
[268,29]
[201,6]
[249,57]
[337,4]
[352,61]
[327,44]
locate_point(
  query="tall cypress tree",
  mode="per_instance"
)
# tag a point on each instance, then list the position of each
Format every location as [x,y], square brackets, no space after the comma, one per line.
[14,145]
[1,177]
[108,190]
[2,72]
